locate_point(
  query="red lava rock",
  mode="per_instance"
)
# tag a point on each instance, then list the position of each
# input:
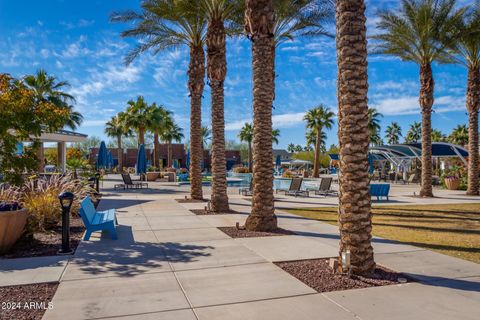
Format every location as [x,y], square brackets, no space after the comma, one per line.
[317,274]
[26,301]
[190,201]
[203,212]
[242,233]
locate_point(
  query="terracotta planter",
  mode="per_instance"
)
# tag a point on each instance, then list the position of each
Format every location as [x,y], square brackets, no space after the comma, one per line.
[452,183]
[152,176]
[12,225]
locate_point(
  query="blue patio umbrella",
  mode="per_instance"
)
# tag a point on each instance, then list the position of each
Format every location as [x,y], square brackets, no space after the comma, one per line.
[110,159]
[102,158]
[188,159]
[175,163]
[141,166]
[278,161]
[371,168]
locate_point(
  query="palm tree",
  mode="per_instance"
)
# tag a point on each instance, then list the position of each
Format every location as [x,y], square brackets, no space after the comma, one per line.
[218,12]
[414,134]
[246,135]
[171,132]
[291,148]
[438,136]
[352,88]
[206,136]
[48,88]
[158,118]
[275,136]
[459,135]
[115,128]
[393,133]
[420,32]
[374,126]
[138,117]
[164,24]
[311,139]
[467,47]
[317,119]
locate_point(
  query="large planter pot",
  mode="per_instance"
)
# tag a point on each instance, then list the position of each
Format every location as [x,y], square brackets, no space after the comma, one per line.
[152,176]
[452,183]
[12,225]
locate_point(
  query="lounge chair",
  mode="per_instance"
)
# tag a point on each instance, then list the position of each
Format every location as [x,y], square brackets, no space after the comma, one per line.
[246,191]
[127,180]
[380,190]
[325,187]
[295,188]
[97,221]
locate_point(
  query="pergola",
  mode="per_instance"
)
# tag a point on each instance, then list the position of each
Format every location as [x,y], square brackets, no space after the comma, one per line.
[61,137]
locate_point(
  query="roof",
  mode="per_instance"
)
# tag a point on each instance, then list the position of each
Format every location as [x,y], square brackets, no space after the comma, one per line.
[413,150]
[62,136]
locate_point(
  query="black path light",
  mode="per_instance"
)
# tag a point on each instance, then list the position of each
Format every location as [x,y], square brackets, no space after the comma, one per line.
[97,182]
[66,201]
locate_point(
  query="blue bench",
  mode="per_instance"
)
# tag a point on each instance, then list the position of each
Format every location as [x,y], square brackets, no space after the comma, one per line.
[97,220]
[379,190]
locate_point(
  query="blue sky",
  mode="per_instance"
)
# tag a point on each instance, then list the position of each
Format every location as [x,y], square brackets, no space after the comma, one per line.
[74,41]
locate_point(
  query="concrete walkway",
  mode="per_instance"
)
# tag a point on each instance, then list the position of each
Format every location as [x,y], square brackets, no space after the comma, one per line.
[171,264]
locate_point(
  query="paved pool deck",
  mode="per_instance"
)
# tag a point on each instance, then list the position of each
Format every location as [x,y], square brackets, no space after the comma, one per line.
[172,264]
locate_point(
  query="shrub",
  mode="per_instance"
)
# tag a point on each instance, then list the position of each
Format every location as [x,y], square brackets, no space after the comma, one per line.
[240,170]
[287,174]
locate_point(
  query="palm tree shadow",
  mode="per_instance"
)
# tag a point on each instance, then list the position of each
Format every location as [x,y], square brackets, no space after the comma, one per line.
[457,284]
[126,258]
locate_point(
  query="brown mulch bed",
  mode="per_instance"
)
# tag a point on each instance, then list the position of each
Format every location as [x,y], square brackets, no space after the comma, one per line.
[233,232]
[317,274]
[26,301]
[47,243]
[203,212]
[190,201]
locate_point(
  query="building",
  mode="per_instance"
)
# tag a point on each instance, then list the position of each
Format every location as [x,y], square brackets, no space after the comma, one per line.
[285,156]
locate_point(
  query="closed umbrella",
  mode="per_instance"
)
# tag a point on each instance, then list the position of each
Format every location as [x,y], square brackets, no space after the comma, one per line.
[141,166]
[102,158]
[188,159]
[278,161]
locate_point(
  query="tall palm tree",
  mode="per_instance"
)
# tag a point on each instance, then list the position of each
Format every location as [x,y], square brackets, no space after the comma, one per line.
[138,117]
[246,135]
[374,126]
[219,12]
[158,117]
[438,136]
[317,119]
[420,32]
[353,135]
[393,133]
[414,134]
[115,128]
[171,132]
[467,48]
[165,24]
[459,135]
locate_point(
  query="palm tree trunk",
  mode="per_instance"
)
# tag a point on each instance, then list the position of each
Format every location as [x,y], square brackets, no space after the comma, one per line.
[169,154]
[141,136]
[473,104]
[216,71]
[426,102]
[250,156]
[120,153]
[354,199]
[260,20]
[317,154]
[196,74]
[156,151]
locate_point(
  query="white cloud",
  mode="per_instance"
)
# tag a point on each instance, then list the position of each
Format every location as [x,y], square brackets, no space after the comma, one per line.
[45,53]
[287,120]
[410,105]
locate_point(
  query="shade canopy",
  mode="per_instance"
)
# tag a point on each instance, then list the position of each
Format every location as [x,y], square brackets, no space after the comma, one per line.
[102,158]
[141,166]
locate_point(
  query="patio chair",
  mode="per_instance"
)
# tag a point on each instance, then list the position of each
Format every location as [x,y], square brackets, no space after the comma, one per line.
[412,178]
[295,188]
[380,190]
[246,191]
[127,180]
[97,220]
[325,187]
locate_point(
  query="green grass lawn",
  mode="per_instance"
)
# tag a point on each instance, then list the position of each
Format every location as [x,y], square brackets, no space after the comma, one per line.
[452,229]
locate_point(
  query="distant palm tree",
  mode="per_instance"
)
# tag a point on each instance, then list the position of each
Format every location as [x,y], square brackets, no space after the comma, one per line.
[414,134]
[115,128]
[354,211]
[393,133]
[438,136]
[48,88]
[246,135]
[171,132]
[291,148]
[275,136]
[311,139]
[421,31]
[166,24]
[467,47]
[459,135]
[317,119]
[206,136]
[138,117]
[158,118]
[374,126]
